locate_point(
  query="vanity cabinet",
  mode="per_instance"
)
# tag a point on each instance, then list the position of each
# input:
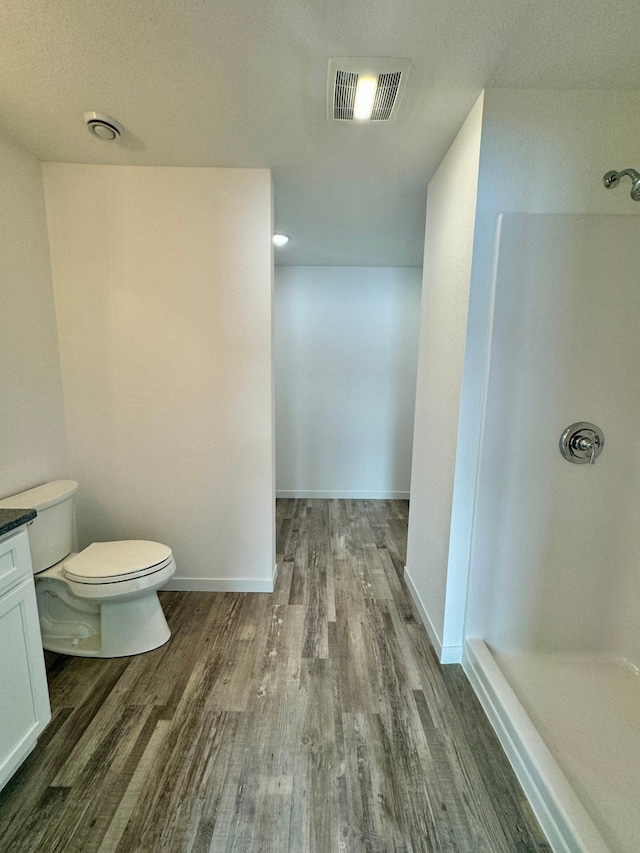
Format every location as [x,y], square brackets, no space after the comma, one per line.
[24,697]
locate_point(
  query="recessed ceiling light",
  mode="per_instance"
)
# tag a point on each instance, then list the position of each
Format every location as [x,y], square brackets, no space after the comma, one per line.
[280,239]
[365,96]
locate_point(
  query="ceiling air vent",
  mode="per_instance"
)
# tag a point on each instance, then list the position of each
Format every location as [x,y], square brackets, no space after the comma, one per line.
[385,78]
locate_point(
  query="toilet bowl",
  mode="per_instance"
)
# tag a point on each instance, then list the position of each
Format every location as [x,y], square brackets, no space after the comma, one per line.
[102,601]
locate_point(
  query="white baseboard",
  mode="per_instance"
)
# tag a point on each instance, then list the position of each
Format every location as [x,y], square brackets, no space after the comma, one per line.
[563,818]
[445,654]
[336,495]
[220,584]
[451,654]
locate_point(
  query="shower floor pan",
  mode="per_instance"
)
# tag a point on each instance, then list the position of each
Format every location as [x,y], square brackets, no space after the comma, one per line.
[571,727]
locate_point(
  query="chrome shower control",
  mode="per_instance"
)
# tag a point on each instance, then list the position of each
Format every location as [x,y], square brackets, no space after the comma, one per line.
[582,442]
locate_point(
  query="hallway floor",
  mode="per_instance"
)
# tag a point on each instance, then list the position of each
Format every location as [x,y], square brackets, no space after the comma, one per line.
[316,719]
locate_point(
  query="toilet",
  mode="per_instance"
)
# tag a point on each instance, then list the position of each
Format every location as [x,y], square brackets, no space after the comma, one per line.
[103,601]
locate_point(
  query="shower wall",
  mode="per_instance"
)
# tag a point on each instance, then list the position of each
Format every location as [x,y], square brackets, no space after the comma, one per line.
[556,546]
[541,151]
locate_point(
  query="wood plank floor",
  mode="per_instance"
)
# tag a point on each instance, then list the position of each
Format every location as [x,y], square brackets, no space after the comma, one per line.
[314,719]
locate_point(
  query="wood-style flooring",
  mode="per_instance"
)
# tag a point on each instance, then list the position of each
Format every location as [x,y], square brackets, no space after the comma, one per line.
[314,719]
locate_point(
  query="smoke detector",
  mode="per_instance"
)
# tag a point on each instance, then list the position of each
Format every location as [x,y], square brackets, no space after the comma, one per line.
[365,88]
[103,127]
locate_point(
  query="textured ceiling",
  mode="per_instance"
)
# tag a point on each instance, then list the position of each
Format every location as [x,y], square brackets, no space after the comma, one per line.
[243,83]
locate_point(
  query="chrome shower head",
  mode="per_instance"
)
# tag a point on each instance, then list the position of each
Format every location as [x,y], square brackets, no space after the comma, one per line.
[611,179]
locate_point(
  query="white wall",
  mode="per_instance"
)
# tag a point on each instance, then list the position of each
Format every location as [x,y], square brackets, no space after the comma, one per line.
[163,285]
[542,152]
[33,446]
[346,342]
[435,574]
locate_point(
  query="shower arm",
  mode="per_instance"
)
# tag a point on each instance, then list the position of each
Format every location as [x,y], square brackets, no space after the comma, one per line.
[612,179]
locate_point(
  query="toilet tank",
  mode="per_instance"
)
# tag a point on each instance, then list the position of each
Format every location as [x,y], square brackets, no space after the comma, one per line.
[51,532]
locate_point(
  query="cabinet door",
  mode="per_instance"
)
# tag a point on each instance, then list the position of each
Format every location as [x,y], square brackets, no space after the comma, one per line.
[24,697]
[15,560]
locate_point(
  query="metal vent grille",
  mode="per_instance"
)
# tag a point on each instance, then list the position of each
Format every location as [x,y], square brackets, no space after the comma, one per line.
[344,95]
[343,75]
[386,94]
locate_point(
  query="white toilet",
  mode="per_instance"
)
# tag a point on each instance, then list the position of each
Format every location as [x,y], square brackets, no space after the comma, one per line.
[102,602]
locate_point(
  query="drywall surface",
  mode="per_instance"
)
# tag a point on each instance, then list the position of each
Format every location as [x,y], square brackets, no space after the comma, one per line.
[542,152]
[451,202]
[346,352]
[346,349]
[33,447]
[163,285]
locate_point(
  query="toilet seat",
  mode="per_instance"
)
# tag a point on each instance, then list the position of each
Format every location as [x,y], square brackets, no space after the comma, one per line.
[115,562]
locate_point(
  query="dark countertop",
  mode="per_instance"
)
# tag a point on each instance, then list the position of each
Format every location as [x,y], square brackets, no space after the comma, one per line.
[12,518]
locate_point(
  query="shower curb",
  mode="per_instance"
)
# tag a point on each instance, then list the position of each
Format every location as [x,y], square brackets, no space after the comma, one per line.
[563,818]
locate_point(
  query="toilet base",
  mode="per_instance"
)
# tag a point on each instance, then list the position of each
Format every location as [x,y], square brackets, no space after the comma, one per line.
[109,629]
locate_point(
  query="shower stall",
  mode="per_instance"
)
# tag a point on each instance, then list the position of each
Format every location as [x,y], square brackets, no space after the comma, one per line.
[552,638]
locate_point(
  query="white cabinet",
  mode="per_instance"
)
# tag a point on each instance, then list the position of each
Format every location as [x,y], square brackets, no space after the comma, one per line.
[24,697]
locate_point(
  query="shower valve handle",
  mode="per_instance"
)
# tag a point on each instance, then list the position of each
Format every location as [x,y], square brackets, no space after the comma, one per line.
[586,445]
[582,442]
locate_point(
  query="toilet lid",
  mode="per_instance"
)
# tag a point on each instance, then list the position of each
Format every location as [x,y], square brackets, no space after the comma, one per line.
[125,560]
